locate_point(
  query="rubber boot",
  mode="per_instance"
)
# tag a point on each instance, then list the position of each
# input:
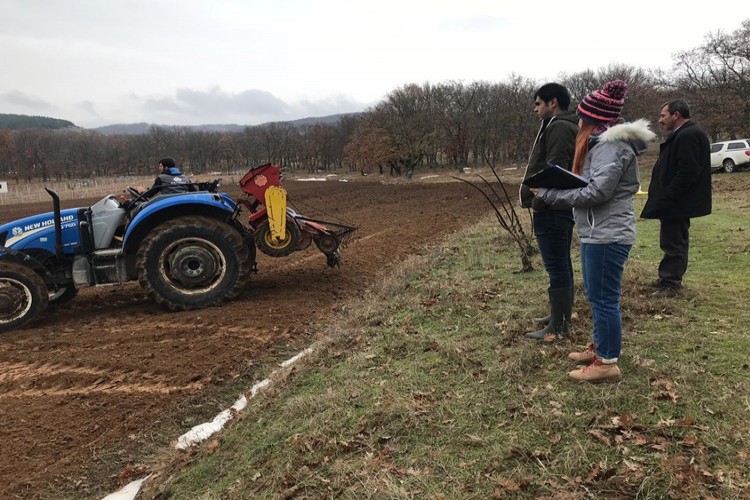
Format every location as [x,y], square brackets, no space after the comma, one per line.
[541,321]
[544,321]
[561,309]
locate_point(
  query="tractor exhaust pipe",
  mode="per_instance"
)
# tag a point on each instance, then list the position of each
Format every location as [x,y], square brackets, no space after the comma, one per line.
[58,223]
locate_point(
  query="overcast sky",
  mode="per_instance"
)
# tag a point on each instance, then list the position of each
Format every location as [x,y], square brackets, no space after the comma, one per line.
[190,62]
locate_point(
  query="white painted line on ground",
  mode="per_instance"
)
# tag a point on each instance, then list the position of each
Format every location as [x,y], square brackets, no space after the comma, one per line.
[127,492]
[205,430]
[296,358]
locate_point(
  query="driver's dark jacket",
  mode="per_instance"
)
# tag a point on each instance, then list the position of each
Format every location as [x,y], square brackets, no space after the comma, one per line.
[172,181]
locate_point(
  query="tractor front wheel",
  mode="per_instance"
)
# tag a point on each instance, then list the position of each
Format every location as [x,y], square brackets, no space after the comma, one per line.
[23,295]
[63,294]
[192,263]
[267,244]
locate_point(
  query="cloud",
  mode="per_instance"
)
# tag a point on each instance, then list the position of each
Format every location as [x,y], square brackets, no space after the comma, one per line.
[475,24]
[248,107]
[25,103]
[331,106]
[88,107]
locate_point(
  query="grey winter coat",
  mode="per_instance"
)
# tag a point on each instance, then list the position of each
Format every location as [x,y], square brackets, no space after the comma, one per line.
[603,210]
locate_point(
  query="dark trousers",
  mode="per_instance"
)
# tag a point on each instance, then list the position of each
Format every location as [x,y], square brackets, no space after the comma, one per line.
[554,232]
[674,240]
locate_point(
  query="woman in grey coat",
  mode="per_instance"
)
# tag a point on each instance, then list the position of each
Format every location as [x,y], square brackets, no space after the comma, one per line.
[606,155]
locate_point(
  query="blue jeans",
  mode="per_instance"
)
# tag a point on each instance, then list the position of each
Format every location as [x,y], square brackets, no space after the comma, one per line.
[554,232]
[602,267]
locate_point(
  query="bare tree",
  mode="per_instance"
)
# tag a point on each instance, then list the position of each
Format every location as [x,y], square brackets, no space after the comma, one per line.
[404,116]
[716,77]
[507,217]
[369,148]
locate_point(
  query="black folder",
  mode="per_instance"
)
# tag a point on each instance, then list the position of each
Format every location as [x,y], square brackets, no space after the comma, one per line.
[555,177]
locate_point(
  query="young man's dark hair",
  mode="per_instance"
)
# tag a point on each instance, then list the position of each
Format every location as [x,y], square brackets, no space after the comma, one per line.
[678,106]
[167,162]
[550,91]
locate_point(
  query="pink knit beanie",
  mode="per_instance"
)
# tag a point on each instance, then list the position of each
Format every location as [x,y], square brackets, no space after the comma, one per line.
[605,105]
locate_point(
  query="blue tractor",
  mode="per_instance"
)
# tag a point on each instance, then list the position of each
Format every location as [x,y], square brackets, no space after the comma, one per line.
[187,250]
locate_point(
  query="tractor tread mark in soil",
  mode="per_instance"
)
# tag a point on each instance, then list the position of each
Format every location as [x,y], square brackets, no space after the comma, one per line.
[23,295]
[193,262]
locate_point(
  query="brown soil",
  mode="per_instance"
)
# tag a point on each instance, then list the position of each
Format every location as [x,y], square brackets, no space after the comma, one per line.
[92,387]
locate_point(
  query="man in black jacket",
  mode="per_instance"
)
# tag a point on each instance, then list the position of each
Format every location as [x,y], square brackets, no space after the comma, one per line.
[171,179]
[555,143]
[680,189]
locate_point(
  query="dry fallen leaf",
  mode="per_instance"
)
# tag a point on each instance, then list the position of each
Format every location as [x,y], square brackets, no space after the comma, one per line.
[212,446]
[593,474]
[600,436]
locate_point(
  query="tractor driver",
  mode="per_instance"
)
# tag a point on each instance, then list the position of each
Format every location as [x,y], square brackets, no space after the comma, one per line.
[170,180]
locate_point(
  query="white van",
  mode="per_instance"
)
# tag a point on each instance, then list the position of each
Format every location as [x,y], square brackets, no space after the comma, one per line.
[728,156]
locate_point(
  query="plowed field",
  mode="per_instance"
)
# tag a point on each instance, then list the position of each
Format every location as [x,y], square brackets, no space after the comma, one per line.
[92,385]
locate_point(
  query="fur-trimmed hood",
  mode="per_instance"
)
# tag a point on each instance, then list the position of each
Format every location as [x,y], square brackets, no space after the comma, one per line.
[637,133]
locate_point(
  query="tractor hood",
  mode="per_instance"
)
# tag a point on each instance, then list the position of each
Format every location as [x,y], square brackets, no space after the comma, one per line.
[40,228]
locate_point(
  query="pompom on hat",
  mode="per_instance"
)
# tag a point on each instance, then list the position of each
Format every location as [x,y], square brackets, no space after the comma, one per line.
[605,105]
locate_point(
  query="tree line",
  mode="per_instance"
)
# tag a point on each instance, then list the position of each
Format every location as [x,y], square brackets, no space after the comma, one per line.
[444,125]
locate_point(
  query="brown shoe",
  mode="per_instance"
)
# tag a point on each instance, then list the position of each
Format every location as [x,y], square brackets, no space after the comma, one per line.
[597,372]
[585,357]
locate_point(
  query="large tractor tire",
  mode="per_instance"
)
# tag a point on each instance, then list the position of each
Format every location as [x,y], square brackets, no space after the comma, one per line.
[23,295]
[192,263]
[269,246]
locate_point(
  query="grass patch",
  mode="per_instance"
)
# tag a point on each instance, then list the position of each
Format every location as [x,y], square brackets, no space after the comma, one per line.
[427,388]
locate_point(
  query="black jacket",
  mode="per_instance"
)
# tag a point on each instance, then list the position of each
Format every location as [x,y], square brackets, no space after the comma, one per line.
[555,142]
[681,181]
[172,181]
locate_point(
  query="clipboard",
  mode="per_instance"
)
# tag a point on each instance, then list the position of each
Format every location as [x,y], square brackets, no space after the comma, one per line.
[555,177]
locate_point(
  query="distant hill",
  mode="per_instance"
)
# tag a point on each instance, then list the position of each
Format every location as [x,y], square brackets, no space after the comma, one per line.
[330,119]
[143,128]
[124,129]
[18,122]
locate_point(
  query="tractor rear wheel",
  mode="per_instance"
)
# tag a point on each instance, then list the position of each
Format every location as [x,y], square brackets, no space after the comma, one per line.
[23,295]
[192,263]
[269,246]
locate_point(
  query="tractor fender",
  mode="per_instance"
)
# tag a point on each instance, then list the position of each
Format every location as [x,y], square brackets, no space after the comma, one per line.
[10,255]
[165,208]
